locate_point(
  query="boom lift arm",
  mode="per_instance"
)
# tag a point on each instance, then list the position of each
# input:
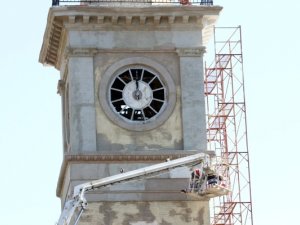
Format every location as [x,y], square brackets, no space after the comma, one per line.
[79,202]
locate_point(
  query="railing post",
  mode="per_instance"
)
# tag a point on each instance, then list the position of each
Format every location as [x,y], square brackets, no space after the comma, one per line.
[55,2]
[206,2]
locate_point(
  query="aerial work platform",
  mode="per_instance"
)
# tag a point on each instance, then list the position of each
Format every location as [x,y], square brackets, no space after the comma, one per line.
[204,182]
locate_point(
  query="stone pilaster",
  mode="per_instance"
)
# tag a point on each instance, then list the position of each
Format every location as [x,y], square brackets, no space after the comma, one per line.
[82,104]
[192,98]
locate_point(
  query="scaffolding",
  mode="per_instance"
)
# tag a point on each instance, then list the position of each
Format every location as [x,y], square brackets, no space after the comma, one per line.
[227,127]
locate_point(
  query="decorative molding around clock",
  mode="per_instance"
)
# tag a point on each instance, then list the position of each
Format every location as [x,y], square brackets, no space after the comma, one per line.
[191,52]
[137,93]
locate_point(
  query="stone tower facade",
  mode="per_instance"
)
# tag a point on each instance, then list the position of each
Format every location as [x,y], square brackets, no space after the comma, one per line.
[131,83]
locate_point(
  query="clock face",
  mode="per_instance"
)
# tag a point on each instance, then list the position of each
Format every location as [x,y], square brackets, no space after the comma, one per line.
[137,94]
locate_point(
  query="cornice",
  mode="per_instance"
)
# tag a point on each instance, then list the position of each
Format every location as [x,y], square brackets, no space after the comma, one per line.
[64,18]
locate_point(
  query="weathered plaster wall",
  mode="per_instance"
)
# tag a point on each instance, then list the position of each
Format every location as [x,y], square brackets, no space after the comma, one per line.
[147,213]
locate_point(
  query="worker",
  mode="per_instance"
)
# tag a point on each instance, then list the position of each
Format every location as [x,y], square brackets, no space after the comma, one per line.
[212,179]
[184,2]
[196,174]
[196,177]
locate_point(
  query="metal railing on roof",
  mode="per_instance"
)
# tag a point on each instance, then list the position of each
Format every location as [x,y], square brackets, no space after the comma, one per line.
[134,2]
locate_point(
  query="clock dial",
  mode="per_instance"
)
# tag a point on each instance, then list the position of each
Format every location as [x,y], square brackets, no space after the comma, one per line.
[137,94]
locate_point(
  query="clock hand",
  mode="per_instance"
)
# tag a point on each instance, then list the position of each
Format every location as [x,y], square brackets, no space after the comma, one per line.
[136,80]
[137,92]
[137,84]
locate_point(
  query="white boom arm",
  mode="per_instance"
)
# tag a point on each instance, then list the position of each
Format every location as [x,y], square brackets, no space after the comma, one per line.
[79,202]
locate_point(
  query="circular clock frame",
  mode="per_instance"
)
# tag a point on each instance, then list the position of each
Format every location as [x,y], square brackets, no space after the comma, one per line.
[137,93]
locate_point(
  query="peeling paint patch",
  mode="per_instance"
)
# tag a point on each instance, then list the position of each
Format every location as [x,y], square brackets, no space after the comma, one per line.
[147,213]
[144,223]
[163,222]
[182,211]
[144,216]
[109,214]
[200,217]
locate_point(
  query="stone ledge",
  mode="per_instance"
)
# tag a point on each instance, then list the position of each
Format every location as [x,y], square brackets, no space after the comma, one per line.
[126,156]
[90,52]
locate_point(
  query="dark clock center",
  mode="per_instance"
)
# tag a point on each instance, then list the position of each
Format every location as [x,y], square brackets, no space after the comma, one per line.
[137,95]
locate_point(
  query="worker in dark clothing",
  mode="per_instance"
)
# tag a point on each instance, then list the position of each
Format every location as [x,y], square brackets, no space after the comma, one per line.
[212,179]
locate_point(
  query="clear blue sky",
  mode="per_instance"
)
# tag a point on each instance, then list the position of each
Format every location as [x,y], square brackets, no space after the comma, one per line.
[30,115]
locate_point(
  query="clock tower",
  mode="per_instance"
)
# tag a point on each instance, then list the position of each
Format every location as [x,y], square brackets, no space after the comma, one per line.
[131,83]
